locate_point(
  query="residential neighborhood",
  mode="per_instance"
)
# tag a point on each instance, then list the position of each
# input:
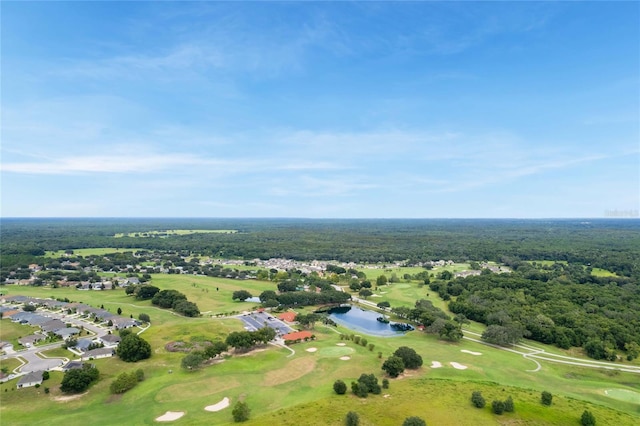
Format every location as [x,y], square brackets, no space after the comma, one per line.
[86,332]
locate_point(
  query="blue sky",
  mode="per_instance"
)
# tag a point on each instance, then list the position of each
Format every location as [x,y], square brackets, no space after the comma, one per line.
[328,109]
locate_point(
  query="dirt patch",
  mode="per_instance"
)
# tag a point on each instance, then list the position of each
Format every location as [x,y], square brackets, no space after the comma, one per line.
[69,398]
[224,403]
[292,371]
[170,416]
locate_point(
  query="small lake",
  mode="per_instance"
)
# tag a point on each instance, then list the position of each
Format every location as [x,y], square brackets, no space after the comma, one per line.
[362,320]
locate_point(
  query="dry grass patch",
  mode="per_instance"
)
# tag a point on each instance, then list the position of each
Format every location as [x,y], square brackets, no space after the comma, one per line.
[293,371]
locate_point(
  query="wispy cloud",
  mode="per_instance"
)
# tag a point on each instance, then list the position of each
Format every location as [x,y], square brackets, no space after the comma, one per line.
[129,163]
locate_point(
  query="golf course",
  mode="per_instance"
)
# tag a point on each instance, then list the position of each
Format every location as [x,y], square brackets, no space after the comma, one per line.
[293,385]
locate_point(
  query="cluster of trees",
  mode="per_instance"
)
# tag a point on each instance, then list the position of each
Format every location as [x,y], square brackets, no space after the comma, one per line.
[434,319]
[607,244]
[497,406]
[243,340]
[177,301]
[132,348]
[366,384]
[196,359]
[403,357]
[600,318]
[358,340]
[79,379]
[126,381]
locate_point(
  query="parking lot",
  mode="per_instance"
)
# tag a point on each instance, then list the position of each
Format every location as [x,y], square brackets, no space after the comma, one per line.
[257,320]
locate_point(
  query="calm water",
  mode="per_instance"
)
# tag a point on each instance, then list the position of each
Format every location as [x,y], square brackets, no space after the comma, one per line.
[364,321]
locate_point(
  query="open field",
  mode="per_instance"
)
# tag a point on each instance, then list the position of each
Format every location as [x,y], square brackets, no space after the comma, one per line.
[284,389]
[599,272]
[170,232]
[91,251]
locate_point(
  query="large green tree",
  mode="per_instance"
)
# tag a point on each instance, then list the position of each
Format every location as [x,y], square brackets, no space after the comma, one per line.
[133,348]
[79,379]
[394,366]
[409,356]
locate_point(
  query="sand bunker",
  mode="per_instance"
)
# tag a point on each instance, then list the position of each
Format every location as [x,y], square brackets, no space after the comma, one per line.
[170,416]
[435,364]
[312,349]
[224,403]
[341,344]
[458,366]
[345,358]
[470,352]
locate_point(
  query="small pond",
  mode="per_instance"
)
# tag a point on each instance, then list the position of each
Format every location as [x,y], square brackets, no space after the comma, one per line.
[362,320]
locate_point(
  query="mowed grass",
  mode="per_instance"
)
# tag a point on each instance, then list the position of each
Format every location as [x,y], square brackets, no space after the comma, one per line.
[11,332]
[280,388]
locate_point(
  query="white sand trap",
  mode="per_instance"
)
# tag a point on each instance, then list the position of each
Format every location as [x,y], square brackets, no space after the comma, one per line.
[312,349]
[341,344]
[458,366]
[224,403]
[470,352]
[345,358]
[435,364]
[170,416]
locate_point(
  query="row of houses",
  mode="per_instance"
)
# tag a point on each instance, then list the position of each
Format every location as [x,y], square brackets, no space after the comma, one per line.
[97,314]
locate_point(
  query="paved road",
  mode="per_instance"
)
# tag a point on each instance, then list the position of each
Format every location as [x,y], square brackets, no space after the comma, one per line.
[35,361]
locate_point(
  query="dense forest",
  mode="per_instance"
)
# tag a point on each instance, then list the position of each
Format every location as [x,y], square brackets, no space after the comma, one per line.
[613,245]
[559,301]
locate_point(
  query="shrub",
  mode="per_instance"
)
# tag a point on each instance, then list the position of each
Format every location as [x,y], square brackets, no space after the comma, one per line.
[352,419]
[385,383]
[124,382]
[241,412]
[497,407]
[414,421]
[587,419]
[340,387]
[508,405]
[546,398]
[477,399]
